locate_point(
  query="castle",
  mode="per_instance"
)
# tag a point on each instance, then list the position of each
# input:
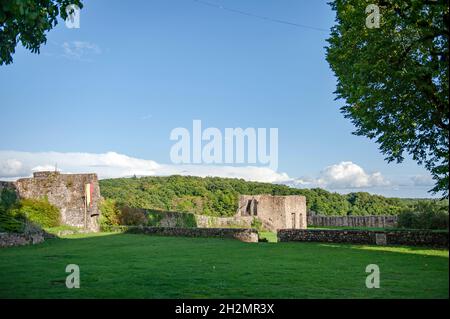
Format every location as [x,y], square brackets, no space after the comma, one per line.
[77,196]
[275,212]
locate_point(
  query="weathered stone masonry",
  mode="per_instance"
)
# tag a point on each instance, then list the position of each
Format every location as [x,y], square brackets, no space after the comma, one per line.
[353,221]
[367,237]
[275,212]
[244,235]
[12,239]
[67,192]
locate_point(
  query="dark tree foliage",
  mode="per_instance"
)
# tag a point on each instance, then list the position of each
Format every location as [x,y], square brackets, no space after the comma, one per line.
[394,79]
[27,21]
[425,215]
[8,222]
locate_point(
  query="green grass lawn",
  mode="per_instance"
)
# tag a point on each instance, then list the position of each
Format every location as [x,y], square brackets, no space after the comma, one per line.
[139,266]
[269,236]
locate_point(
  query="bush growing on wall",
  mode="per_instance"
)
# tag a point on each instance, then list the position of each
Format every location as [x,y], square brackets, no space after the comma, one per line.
[132,216]
[154,219]
[38,211]
[8,222]
[425,215]
[8,198]
[186,220]
[257,224]
[115,214]
[170,219]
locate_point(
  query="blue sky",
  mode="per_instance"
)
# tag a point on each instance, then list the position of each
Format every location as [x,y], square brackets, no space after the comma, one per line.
[134,72]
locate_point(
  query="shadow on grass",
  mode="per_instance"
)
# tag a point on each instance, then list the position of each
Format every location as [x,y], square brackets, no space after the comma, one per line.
[116,265]
[416,250]
[419,250]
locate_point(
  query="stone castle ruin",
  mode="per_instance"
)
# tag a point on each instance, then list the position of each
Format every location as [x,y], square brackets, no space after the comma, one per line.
[76,195]
[275,212]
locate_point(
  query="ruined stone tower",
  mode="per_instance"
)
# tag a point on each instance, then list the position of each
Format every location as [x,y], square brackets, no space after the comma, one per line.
[275,212]
[68,193]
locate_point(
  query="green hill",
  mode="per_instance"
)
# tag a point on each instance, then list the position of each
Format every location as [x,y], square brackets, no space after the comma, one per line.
[219,196]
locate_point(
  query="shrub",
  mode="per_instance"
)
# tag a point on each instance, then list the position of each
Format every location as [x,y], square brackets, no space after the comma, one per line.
[110,213]
[170,219]
[154,219]
[10,224]
[425,215]
[407,219]
[257,224]
[116,214]
[186,220]
[8,198]
[38,211]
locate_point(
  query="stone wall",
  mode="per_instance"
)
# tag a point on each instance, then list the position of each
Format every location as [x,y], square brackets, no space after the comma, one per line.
[170,219]
[189,220]
[275,212]
[244,235]
[67,192]
[418,238]
[13,239]
[366,237]
[223,222]
[353,221]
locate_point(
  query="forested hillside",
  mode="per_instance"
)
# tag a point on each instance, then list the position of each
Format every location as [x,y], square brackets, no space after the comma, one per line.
[219,196]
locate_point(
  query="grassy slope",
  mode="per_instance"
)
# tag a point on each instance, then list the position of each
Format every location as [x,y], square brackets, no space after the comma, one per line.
[138,266]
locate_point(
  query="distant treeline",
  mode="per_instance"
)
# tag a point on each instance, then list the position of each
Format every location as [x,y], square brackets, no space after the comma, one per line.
[219,196]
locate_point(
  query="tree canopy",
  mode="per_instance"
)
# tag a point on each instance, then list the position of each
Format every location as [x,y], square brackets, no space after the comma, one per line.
[215,196]
[394,78]
[27,21]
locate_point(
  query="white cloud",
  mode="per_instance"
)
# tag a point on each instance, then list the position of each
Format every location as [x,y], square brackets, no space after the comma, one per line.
[10,167]
[423,180]
[250,173]
[80,50]
[345,175]
[342,176]
[14,165]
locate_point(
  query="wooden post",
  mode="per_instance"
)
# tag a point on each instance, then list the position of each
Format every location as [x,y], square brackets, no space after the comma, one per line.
[85,212]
